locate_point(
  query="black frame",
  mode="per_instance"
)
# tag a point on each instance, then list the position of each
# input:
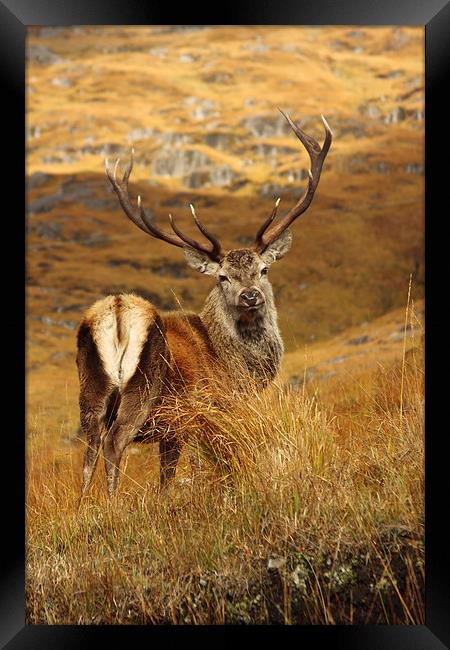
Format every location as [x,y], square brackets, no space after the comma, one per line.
[434,15]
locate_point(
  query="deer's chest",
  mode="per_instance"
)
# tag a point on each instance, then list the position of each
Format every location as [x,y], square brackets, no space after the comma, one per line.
[261,354]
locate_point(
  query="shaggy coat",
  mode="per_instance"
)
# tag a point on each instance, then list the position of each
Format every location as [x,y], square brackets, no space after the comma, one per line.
[130,357]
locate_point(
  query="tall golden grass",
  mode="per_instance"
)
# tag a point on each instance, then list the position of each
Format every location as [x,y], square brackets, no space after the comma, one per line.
[304,510]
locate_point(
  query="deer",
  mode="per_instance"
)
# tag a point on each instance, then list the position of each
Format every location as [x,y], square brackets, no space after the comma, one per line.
[131,357]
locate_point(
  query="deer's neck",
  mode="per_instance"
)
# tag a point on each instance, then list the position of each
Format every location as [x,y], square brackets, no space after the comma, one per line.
[254,344]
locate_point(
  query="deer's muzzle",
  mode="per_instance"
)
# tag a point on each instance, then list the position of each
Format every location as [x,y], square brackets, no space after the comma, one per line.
[250,298]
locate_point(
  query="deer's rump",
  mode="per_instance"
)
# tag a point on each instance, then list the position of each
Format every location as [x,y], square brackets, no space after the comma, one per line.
[125,330]
[131,360]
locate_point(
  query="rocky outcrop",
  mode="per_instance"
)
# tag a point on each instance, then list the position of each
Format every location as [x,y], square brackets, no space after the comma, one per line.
[294,175]
[414,168]
[272,151]
[194,167]
[221,141]
[266,126]
[168,162]
[359,340]
[271,190]
[142,134]
[37,180]
[62,82]
[396,115]
[218,78]
[371,110]
[42,54]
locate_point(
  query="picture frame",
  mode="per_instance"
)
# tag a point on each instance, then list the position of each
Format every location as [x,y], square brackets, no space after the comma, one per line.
[16,16]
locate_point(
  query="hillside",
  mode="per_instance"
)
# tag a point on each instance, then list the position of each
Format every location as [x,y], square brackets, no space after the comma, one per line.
[199,107]
[308,507]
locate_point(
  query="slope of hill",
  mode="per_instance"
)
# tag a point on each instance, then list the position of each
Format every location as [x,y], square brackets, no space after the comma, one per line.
[308,509]
[199,107]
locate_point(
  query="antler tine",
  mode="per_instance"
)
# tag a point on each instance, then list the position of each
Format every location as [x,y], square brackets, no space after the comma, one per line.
[192,242]
[140,219]
[156,232]
[217,248]
[128,168]
[317,156]
[266,224]
[121,189]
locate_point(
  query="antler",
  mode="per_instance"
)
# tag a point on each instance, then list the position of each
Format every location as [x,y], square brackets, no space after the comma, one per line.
[142,221]
[317,156]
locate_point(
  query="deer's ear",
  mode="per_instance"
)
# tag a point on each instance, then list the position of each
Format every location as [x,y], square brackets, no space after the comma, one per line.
[278,249]
[200,262]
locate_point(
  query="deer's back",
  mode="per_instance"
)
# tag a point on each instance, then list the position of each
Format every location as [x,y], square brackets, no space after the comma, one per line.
[123,327]
[192,355]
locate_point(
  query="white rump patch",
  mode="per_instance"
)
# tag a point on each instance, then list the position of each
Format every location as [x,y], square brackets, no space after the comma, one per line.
[120,358]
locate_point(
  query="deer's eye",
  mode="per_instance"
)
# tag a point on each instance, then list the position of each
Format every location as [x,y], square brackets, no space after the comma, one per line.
[264,271]
[223,278]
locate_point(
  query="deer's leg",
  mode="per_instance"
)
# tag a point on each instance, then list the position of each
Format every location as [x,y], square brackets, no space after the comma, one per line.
[112,462]
[141,394]
[131,415]
[94,401]
[95,421]
[169,453]
[92,429]
[96,411]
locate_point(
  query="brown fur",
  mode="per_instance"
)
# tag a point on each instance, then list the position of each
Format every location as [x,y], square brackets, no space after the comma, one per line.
[175,354]
[172,352]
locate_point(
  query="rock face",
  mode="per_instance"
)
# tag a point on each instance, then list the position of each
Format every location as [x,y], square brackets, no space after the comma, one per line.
[201,108]
[370,110]
[37,180]
[349,128]
[359,340]
[272,151]
[229,133]
[193,166]
[271,190]
[222,141]
[44,203]
[266,125]
[414,168]
[294,175]
[221,175]
[142,134]
[62,82]
[42,54]
[178,163]
[397,115]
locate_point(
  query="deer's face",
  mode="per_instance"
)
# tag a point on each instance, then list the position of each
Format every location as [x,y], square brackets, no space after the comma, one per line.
[243,279]
[242,276]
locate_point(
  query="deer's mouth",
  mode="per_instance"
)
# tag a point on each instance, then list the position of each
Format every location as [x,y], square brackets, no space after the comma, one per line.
[254,307]
[251,309]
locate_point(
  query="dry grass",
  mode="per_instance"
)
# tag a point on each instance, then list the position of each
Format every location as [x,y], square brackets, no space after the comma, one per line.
[304,511]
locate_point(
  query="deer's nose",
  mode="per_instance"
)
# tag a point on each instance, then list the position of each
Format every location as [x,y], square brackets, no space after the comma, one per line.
[250,297]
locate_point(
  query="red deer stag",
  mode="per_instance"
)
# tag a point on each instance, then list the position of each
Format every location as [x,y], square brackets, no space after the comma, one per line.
[130,356]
